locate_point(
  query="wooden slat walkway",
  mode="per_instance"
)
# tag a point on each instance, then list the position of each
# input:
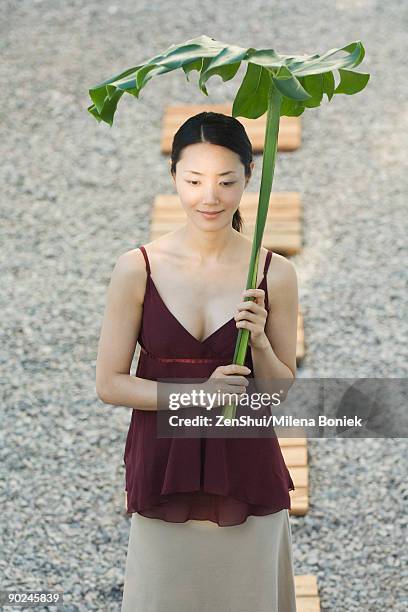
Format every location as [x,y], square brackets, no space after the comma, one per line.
[282,232]
[300,341]
[294,451]
[289,137]
[307,595]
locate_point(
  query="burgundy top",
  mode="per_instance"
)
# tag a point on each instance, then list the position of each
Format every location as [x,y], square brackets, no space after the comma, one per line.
[223,480]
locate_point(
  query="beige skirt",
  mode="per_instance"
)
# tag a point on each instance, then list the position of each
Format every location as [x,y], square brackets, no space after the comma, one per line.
[198,566]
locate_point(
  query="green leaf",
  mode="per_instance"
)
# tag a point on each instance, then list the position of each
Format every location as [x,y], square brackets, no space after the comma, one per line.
[108,109]
[119,77]
[328,84]
[301,80]
[201,84]
[194,65]
[227,55]
[267,58]
[98,96]
[288,85]
[351,82]
[313,84]
[325,63]
[251,99]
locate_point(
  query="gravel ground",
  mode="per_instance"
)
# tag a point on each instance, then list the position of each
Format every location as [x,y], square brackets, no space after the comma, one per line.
[75,195]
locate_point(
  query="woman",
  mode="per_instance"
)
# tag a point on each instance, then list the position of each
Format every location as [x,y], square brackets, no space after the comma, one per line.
[210,524]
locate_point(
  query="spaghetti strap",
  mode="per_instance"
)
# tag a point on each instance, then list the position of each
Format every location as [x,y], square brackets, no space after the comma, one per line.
[146,258]
[267,261]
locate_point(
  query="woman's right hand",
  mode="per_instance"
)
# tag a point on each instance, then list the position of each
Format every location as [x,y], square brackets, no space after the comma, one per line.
[227,379]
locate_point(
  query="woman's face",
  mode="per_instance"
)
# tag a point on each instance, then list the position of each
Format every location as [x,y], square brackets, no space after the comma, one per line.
[210,179]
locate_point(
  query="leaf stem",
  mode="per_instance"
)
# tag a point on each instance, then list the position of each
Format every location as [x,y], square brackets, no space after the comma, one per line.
[268,168]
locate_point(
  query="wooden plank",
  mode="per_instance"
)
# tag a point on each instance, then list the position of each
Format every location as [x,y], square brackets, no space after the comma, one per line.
[288,201]
[307,604]
[295,456]
[283,229]
[294,451]
[293,441]
[307,595]
[300,341]
[299,501]
[278,215]
[300,475]
[289,138]
[306,585]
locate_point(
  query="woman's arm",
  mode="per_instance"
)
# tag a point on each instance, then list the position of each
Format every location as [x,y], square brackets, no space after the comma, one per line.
[118,338]
[275,358]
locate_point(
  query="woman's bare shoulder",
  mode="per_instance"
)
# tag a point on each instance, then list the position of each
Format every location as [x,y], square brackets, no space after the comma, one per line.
[129,273]
[281,268]
[161,247]
[281,262]
[281,276]
[131,263]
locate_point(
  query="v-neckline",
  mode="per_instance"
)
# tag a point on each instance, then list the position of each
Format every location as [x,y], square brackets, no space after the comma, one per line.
[149,277]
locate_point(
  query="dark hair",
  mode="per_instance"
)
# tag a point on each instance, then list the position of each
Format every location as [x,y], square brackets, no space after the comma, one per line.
[218,129]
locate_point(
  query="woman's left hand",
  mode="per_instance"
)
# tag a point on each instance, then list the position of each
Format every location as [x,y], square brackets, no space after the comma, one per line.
[252,315]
